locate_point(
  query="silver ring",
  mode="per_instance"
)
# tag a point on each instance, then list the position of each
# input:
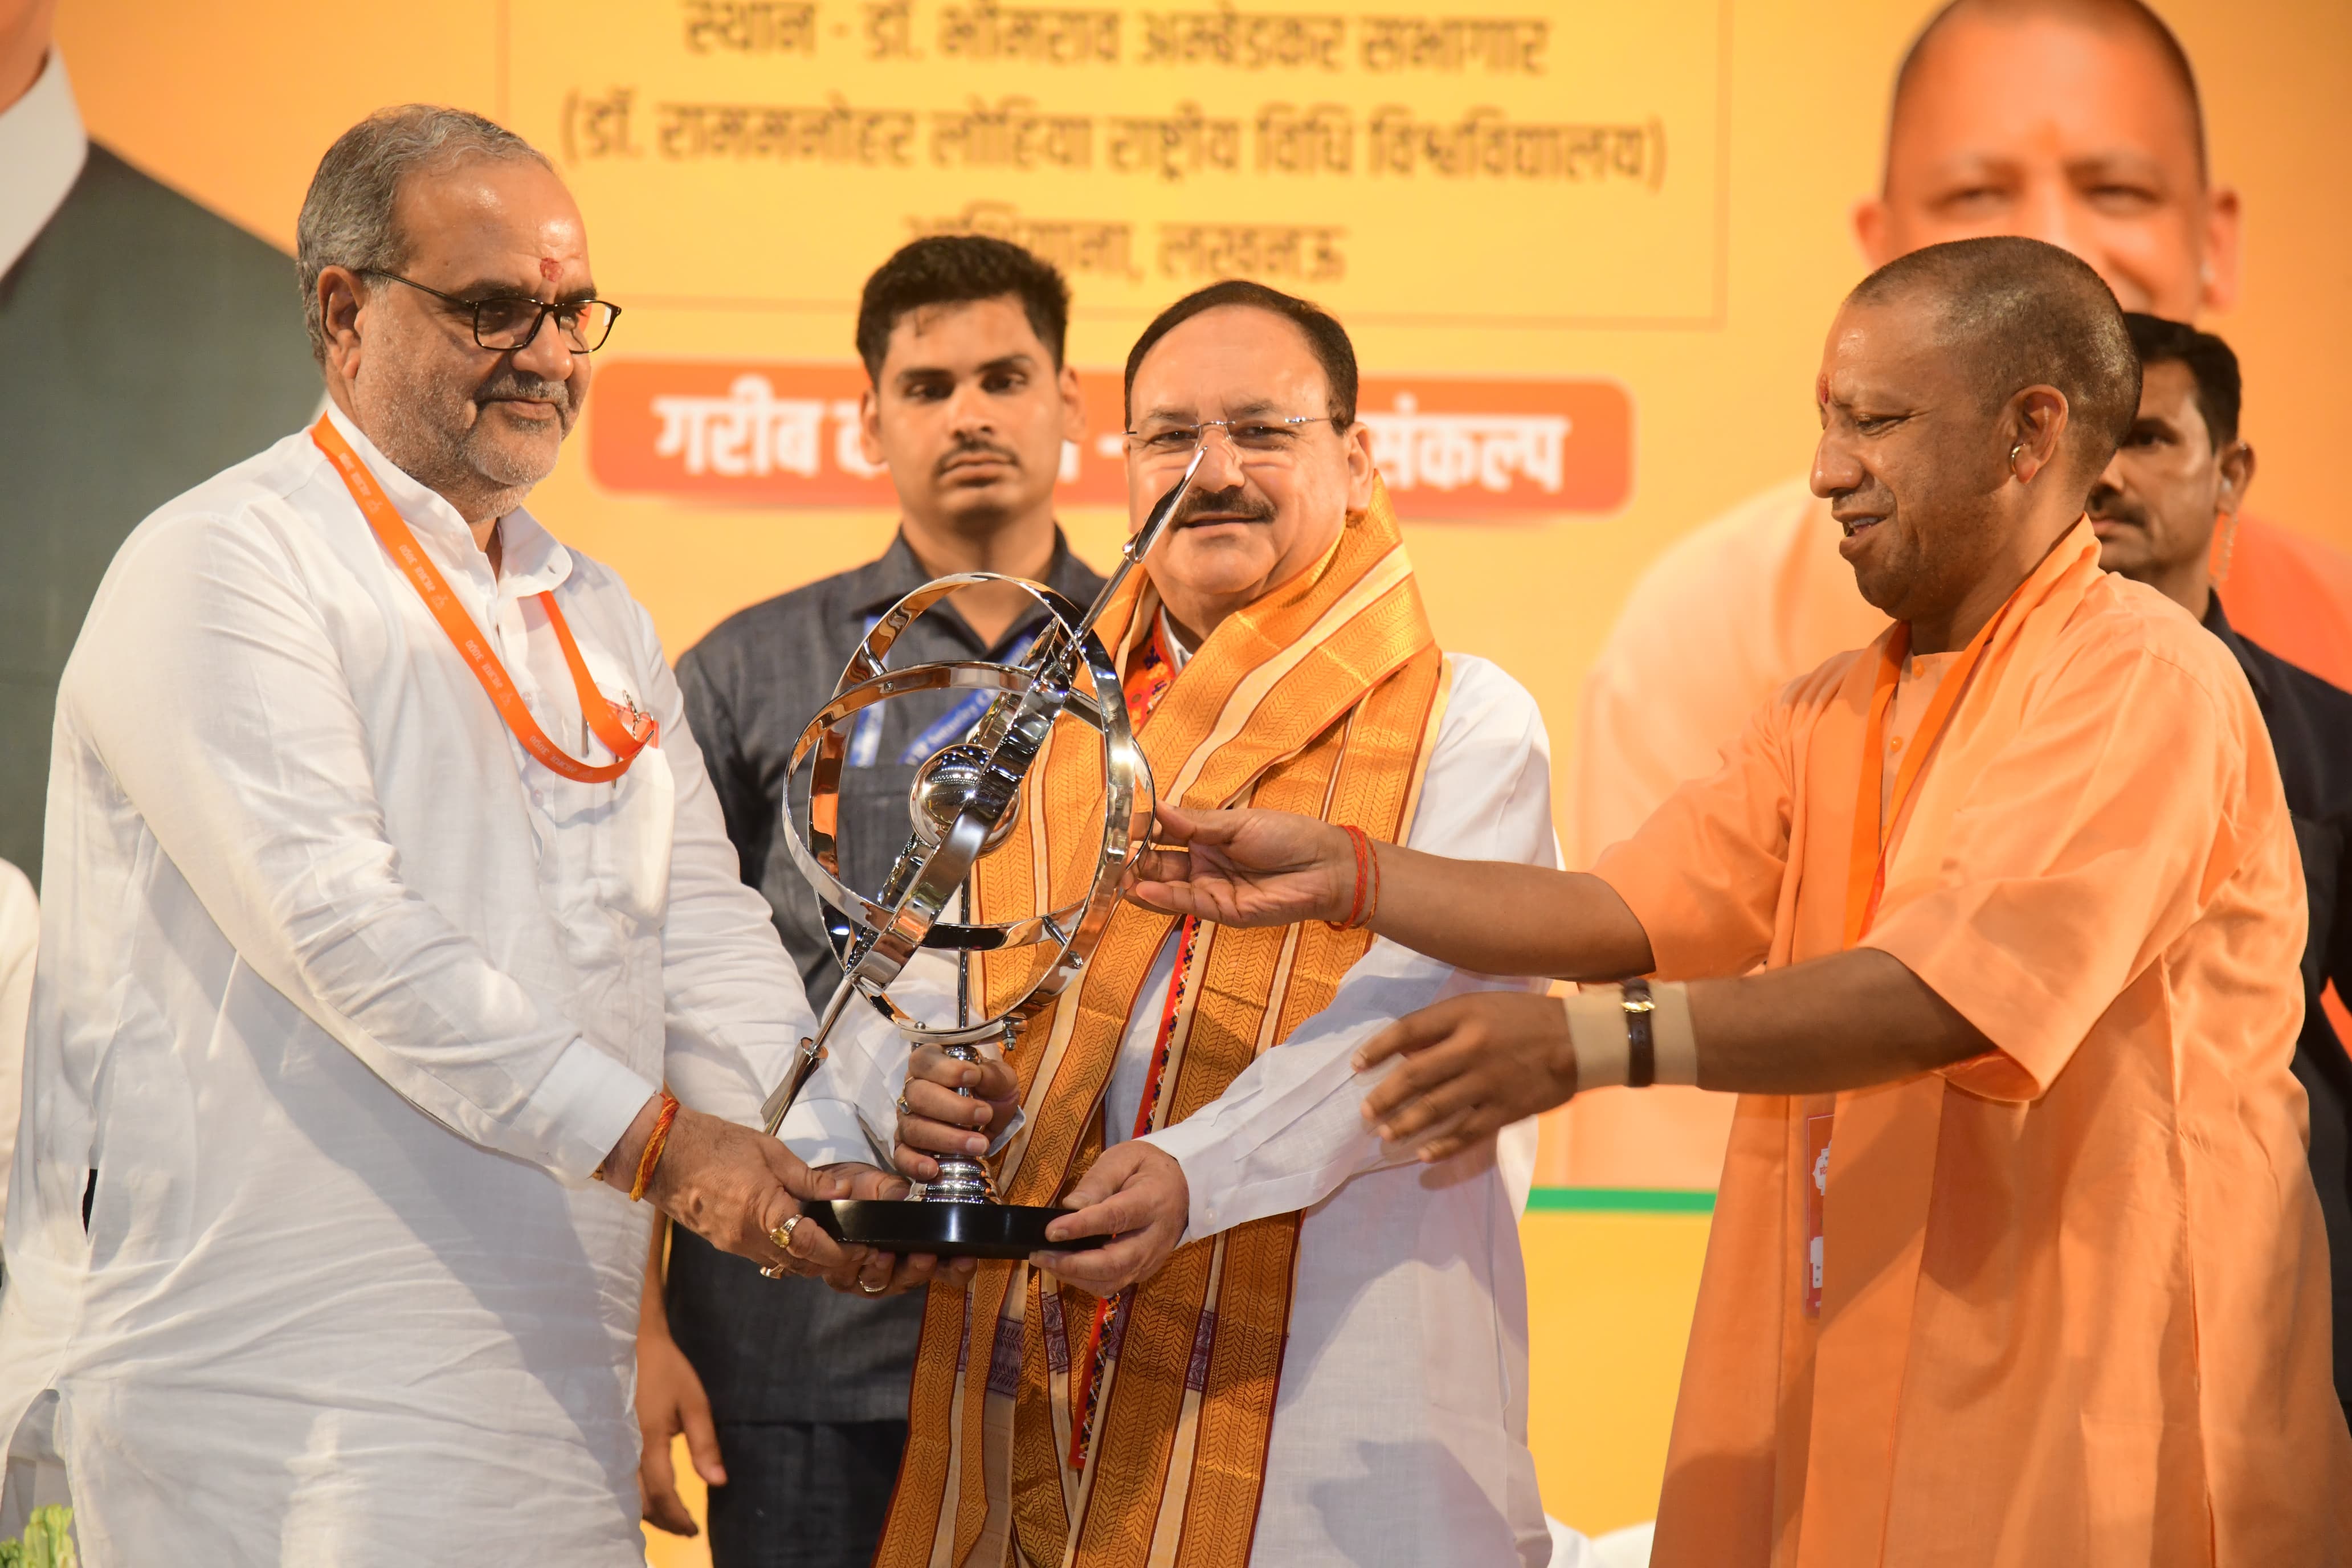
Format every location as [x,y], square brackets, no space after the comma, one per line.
[873,1289]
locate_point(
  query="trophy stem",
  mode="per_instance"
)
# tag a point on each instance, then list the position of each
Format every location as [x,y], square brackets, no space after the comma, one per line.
[961,1179]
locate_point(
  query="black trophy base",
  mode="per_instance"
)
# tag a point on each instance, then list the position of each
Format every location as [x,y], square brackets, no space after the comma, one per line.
[909,1227]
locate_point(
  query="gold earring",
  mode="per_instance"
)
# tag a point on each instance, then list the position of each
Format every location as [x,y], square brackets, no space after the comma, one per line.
[2014,451]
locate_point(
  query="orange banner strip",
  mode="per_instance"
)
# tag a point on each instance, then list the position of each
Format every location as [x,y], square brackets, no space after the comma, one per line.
[392,529]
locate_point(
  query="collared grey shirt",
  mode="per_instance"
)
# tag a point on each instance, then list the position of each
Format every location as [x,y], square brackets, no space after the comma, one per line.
[795,1349]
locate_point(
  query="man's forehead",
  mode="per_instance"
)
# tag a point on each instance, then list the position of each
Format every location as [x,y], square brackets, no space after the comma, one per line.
[1985,78]
[1883,344]
[1237,360]
[957,332]
[2164,385]
[511,219]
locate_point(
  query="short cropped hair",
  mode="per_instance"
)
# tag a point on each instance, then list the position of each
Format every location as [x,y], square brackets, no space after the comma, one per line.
[2210,361]
[348,215]
[1325,336]
[2019,314]
[956,269]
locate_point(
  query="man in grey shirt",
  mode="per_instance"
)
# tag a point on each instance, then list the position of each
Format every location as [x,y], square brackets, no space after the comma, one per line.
[793,1398]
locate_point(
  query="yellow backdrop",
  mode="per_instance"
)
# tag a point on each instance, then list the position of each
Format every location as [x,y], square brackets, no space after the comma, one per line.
[1649,197]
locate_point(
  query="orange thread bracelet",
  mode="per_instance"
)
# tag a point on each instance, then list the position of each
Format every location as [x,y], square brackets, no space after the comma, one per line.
[654,1146]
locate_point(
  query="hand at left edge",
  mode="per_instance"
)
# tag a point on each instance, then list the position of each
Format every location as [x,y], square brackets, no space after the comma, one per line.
[1135,1192]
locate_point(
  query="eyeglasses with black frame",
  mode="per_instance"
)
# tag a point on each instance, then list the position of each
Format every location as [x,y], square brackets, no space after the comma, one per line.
[505,321]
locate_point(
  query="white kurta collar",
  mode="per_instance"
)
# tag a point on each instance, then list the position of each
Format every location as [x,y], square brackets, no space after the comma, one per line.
[42,150]
[1179,655]
[531,559]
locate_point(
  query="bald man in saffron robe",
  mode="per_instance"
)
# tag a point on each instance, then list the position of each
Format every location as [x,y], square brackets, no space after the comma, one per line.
[2016,1259]
[2073,122]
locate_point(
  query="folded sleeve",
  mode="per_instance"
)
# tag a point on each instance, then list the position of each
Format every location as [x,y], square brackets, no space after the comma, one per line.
[213,697]
[1289,1129]
[1703,873]
[2083,850]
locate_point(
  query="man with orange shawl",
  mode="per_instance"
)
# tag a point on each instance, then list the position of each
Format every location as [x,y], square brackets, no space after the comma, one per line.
[1301,1350]
[2016,1259]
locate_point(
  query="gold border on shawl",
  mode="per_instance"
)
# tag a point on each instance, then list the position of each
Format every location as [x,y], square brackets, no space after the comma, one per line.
[1168,1525]
[926,1468]
[1135,1416]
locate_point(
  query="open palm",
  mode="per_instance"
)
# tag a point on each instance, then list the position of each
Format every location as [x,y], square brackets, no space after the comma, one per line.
[1245,867]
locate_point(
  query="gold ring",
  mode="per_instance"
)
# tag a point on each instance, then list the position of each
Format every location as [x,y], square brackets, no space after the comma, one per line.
[783,1235]
[904,1109]
[873,1289]
[775,1270]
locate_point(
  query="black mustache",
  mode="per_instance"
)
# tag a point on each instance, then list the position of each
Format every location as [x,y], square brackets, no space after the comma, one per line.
[979,450]
[512,384]
[2107,505]
[1231,501]
[1875,501]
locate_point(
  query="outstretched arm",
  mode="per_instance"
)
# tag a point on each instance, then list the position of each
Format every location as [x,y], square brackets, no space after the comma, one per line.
[1474,1064]
[1258,867]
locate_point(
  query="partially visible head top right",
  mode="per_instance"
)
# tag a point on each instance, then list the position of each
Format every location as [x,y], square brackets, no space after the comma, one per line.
[2014,313]
[2073,122]
[2123,20]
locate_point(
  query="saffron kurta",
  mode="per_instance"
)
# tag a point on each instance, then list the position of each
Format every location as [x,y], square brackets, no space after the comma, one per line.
[1720,621]
[2072,1306]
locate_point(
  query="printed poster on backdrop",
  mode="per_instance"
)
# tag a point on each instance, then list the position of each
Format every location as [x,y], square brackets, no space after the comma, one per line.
[1507,167]
[752,434]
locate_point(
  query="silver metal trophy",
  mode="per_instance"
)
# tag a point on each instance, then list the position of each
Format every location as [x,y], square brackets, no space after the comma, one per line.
[965,800]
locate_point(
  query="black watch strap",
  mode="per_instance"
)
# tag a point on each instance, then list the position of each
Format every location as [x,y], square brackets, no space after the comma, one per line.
[1641,1044]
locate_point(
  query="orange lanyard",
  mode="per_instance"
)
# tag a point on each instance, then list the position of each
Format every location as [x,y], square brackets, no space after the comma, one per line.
[604,717]
[1873,828]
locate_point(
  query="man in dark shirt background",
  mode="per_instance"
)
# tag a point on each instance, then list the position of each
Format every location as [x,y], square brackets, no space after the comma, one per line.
[2182,470]
[970,405]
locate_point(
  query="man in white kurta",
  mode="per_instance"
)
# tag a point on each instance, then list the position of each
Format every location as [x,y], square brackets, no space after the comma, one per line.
[1399,1427]
[344,997]
[1399,1431]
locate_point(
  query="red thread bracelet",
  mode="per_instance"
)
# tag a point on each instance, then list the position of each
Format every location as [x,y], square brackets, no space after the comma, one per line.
[654,1146]
[1367,870]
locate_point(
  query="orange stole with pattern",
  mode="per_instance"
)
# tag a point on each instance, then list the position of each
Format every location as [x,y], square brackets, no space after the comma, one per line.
[1323,696]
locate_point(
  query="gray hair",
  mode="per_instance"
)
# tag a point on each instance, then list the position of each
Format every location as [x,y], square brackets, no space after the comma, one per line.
[347,217]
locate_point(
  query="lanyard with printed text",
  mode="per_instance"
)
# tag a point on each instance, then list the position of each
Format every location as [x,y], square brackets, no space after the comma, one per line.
[1875,818]
[625,740]
[1873,828]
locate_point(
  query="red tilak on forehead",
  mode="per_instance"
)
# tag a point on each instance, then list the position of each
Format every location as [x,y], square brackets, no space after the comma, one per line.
[548,268]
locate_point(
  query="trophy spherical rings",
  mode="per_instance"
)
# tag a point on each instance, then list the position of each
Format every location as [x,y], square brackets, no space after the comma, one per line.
[966,801]
[944,786]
